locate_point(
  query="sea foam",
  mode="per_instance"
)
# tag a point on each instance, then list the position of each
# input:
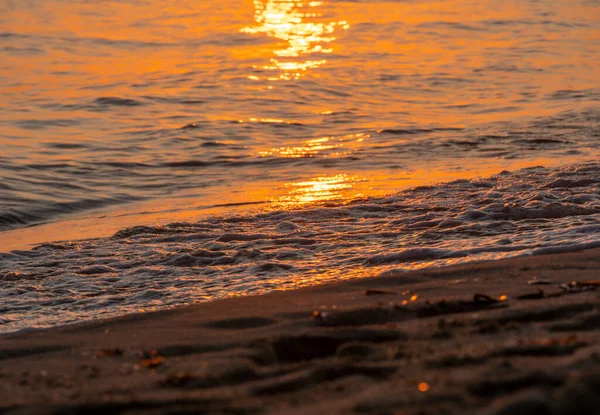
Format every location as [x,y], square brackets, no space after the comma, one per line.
[527,212]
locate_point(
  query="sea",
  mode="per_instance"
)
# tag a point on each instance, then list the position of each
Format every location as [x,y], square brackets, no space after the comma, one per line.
[155,153]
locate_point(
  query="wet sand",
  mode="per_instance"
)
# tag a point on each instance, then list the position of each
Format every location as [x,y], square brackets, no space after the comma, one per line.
[467,339]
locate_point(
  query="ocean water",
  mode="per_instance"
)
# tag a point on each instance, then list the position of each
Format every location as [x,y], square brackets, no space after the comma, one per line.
[156,153]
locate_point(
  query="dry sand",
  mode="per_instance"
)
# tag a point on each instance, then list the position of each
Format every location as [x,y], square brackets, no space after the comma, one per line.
[411,343]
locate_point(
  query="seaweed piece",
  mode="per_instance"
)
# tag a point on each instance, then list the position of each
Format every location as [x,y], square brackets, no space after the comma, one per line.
[532,296]
[380,292]
[539,281]
[152,359]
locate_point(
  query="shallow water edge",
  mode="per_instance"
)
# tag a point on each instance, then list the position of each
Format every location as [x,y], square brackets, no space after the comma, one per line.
[527,212]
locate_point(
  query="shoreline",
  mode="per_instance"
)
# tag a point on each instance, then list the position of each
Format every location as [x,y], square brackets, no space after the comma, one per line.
[443,340]
[103,222]
[393,273]
[533,211]
[280,207]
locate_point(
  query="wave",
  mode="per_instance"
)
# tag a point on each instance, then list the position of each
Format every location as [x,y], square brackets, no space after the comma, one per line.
[116,101]
[44,212]
[527,212]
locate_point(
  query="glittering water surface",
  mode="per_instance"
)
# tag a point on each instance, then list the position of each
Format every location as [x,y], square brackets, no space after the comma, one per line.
[108,103]
[532,211]
[151,112]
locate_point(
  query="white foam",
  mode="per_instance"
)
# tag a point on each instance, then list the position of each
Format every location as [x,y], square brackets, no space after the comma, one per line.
[528,212]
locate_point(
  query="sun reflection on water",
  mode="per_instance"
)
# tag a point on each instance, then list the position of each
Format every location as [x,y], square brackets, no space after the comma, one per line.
[319,189]
[326,147]
[287,20]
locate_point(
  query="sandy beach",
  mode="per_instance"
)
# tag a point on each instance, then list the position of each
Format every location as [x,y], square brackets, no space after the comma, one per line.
[323,207]
[517,336]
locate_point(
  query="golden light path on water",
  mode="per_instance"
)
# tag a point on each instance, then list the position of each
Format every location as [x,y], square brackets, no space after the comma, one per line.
[289,21]
[323,187]
[319,189]
[325,147]
[328,68]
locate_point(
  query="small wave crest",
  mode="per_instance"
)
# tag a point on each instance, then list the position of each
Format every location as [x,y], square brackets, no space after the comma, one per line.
[43,212]
[532,211]
[117,102]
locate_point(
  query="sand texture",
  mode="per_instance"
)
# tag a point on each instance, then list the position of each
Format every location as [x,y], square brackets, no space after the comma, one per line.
[445,341]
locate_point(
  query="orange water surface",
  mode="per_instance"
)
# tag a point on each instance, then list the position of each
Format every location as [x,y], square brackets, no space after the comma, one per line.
[116,114]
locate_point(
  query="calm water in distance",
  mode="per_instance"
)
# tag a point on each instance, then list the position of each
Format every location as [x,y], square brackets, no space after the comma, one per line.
[180,107]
